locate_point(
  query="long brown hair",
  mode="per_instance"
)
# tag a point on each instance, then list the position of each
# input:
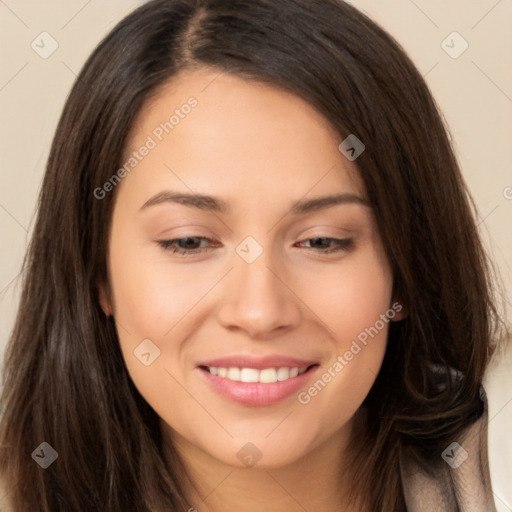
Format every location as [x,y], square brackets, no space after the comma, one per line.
[65,381]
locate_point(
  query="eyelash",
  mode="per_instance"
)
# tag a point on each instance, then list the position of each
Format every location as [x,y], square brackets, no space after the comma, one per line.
[345,244]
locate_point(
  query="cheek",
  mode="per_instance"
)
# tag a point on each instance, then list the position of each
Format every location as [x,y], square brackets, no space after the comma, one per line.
[343,382]
[159,302]
[355,303]
[148,306]
[351,296]
[339,389]
[149,296]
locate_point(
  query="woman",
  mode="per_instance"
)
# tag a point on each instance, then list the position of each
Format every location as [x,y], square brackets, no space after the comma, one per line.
[255,279]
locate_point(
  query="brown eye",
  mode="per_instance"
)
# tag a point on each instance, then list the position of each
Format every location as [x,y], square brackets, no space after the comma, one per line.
[325,244]
[185,246]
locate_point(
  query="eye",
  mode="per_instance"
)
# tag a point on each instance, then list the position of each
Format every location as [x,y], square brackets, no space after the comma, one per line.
[185,246]
[330,245]
[192,245]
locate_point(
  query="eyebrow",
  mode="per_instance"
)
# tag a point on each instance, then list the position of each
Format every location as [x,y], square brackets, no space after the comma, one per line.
[213,204]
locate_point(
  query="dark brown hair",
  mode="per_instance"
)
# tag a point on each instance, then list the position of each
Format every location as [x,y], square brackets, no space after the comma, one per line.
[65,381]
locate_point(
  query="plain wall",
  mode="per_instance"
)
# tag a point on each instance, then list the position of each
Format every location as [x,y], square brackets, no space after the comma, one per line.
[473,90]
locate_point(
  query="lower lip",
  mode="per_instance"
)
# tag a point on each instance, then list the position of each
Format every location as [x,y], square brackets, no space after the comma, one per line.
[256,394]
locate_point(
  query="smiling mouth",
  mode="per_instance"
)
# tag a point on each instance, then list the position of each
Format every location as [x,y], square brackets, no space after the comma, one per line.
[253,375]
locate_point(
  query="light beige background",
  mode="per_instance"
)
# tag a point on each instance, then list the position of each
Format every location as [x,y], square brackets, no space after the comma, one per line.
[473,90]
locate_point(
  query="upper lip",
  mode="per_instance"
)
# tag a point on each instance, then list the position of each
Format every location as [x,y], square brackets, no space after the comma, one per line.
[259,363]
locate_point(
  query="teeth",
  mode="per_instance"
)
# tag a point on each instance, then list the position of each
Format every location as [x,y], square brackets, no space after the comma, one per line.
[266,376]
[233,374]
[283,373]
[249,375]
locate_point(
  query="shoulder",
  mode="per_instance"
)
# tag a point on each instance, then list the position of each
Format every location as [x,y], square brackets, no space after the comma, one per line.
[460,480]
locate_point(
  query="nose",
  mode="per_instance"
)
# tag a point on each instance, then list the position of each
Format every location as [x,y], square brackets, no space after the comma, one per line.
[259,301]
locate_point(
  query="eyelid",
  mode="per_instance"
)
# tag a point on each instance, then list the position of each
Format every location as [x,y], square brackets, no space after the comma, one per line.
[186,231]
[340,245]
[317,231]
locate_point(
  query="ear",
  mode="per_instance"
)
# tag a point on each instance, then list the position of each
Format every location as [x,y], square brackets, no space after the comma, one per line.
[400,309]
[105,301]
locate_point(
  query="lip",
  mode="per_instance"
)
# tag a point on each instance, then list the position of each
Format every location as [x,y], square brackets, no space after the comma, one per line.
[257,394]
[258,363]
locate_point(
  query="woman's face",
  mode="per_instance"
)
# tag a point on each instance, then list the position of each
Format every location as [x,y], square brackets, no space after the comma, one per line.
[260,338]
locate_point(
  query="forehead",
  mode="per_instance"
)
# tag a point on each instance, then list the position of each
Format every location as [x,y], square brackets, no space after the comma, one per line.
[213,131]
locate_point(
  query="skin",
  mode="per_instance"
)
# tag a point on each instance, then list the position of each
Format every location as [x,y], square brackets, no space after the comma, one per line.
[260,149]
